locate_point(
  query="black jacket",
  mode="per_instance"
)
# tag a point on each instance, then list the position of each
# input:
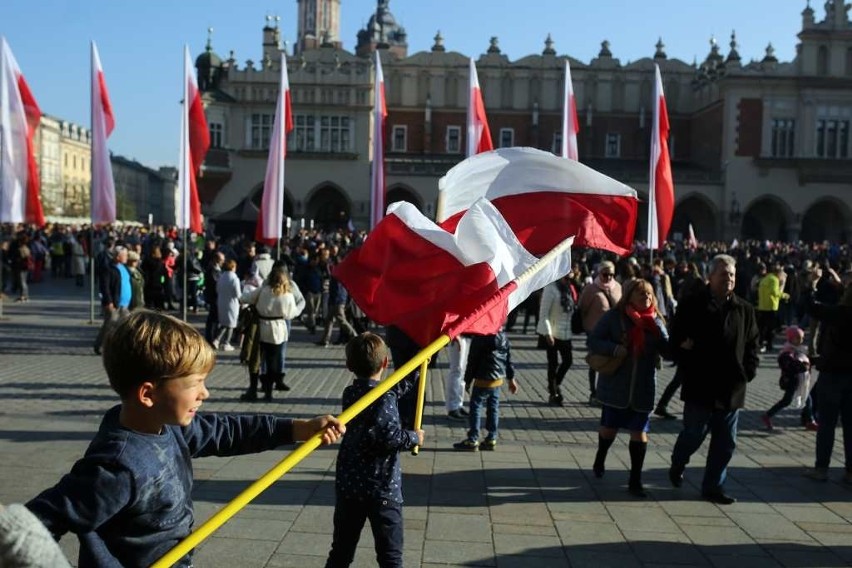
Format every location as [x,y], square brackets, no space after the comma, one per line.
[490,358]
[724,356]
[835,337]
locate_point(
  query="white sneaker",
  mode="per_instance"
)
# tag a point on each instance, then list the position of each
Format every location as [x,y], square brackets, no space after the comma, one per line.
[228,347]
[216,344]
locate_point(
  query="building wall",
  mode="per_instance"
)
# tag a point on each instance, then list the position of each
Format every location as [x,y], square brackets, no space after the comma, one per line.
[76,151]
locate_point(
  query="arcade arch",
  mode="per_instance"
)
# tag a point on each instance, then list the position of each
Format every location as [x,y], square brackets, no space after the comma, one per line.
[329,207]
[767,218]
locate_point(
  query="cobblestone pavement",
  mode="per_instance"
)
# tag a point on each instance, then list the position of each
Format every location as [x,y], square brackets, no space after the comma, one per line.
[533,502]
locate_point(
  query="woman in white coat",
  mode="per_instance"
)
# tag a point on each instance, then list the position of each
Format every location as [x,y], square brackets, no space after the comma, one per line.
[228,302]
[275,305]
[558,302]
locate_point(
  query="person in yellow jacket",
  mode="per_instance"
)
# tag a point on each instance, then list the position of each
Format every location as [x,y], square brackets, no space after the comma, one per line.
[769,295]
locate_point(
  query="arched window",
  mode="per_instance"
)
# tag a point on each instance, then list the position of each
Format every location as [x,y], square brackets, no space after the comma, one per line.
[822,61]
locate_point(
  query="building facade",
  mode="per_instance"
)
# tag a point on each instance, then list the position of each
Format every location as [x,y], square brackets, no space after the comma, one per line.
[76,149]
[142,193]
[48,154]
[760,149]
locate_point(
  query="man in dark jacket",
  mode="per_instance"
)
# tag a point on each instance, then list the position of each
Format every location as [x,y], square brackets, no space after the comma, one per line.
[715,336]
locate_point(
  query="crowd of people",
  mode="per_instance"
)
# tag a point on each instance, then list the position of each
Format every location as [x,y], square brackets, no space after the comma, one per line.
[712,311]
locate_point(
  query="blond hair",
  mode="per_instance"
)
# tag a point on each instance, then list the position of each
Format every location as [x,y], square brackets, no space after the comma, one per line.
[153,347]
[278,281]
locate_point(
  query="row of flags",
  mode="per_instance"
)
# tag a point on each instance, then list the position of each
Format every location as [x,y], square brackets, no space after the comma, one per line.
[20,116]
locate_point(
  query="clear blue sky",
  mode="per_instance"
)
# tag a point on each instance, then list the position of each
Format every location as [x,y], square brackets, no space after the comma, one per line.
[140,42]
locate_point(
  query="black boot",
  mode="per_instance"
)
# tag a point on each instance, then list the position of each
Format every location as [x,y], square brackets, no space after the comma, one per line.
[600,457]
[266,382]
[554,396]
[279,382]
[251,394]
[638,449]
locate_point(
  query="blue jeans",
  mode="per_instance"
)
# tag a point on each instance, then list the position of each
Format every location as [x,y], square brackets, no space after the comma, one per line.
[698,421]
[480,396]
[835,400]
[385,521]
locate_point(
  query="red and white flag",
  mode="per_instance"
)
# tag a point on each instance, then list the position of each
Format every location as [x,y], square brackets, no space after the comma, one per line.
[570,124]
[19,119]
[103,123]
[377,167]
[413,274]
[661,186]
[544,198]
[692,241]
[271,214]
[194,143]
[478,133]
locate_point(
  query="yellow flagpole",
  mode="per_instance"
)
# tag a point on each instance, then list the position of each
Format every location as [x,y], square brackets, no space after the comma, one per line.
[421,400]
[294,457]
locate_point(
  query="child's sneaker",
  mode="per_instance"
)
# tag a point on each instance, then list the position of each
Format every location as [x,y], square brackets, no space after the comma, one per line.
[812,426]
[467,445]
[767,422]
[488,445]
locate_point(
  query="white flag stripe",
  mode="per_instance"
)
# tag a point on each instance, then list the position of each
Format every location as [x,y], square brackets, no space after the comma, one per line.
[273,183]
[14,131]
[182,212]
[569,134]
[377,172]
[103,184]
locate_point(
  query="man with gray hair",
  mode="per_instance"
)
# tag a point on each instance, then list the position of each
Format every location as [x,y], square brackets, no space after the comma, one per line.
[715,338]
[116,293]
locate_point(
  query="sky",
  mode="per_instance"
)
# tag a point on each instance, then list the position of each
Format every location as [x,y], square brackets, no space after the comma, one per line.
[141,41]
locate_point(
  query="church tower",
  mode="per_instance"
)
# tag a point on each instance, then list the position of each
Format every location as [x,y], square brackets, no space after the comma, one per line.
[319,24]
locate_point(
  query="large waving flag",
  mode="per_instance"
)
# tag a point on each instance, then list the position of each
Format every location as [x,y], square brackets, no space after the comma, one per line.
[19,119]
[271,214]
[478,133]
[661,186]
[103,123]
[413,274]
[544,199]
[377,167]
[194,143]
[570,124]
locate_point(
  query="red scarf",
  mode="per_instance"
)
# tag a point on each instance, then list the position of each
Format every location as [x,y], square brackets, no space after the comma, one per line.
[642,321]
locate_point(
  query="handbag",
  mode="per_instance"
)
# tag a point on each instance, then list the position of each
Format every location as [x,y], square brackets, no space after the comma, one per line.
[576,321]
[605,364]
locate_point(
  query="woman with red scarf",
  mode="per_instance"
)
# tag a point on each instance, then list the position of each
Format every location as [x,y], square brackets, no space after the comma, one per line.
[636,331]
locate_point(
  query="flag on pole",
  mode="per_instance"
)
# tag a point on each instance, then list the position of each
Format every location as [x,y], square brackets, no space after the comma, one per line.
[194,143]
[413,274]
[19,119]
[478,133]
[692,241]
[377,168]
[544,198]
[103,123]
[661,186]
[570,124]
[271,213]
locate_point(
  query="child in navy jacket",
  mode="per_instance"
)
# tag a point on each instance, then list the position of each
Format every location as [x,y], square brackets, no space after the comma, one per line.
[128,499]
[369,476]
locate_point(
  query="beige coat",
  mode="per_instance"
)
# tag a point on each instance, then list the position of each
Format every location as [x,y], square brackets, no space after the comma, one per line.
[594,302]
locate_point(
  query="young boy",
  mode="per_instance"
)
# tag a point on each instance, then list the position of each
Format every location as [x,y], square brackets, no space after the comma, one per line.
[128,499]
[369,477]
[489,362]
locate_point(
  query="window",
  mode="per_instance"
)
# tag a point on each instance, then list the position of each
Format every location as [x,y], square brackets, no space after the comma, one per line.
[215,135]
[453,139]
[321,134]
[832,140]
[399,141]
[74,161]
[507,137]
[613,146]
[783,136]
[261,130]
[556,148]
